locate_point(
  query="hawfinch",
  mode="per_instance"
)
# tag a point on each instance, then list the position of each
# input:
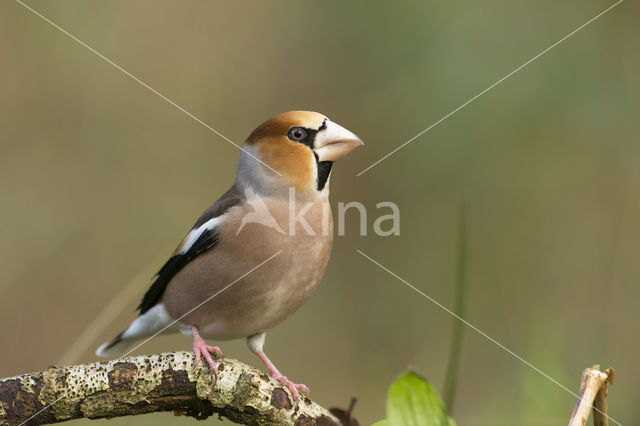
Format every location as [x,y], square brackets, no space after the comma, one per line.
[256,255]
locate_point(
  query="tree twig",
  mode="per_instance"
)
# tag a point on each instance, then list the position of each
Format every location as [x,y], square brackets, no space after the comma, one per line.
[154,383]
[600,404]
[592,381]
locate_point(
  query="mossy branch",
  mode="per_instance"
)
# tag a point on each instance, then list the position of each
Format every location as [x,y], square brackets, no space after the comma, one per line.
[154,383]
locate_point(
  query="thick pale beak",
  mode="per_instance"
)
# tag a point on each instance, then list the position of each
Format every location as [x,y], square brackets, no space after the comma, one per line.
[334,141]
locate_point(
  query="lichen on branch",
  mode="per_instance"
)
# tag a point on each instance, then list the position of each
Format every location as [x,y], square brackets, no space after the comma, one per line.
[154,383]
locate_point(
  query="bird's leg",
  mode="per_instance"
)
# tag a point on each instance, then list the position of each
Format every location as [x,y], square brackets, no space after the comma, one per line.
[201,348]
[255,344]
[295,388]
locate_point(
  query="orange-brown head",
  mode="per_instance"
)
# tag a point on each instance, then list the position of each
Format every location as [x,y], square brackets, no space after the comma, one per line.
[295,148]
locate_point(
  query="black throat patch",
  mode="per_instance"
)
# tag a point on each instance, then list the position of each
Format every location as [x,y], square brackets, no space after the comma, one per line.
[324,167]
[324,170]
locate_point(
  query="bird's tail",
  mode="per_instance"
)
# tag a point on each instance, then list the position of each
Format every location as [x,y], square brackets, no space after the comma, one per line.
[154,320]
[115,346]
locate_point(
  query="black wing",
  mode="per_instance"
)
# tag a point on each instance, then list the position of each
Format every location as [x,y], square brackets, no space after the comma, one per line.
[206,240]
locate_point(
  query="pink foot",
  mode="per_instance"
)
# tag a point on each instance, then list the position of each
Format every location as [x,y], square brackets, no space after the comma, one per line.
[200,348]
[295,388]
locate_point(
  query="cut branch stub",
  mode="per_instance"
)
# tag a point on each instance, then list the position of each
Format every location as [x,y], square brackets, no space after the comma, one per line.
[592,384]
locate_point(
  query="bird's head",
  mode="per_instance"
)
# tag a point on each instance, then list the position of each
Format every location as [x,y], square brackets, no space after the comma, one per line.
[300,146]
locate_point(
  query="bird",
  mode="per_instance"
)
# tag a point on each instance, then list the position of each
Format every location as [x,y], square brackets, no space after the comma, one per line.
[258,253]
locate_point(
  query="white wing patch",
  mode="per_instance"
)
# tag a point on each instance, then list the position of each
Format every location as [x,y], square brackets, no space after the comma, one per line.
[193,236]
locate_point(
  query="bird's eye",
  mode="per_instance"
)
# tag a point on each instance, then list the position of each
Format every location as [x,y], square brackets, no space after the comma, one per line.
[297,134]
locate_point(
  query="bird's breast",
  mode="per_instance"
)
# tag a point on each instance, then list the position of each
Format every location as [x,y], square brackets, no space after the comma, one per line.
[270,258]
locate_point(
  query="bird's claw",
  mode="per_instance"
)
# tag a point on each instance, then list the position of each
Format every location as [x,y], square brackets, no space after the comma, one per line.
[294,388]
[201,349]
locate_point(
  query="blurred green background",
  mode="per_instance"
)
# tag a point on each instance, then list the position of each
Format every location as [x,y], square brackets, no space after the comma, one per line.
[100,179]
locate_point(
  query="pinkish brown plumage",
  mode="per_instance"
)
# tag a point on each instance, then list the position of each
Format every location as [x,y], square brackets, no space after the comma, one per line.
[249,262]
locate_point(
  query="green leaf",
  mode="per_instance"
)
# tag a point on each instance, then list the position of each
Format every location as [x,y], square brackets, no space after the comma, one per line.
[381,423]
[412,401]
